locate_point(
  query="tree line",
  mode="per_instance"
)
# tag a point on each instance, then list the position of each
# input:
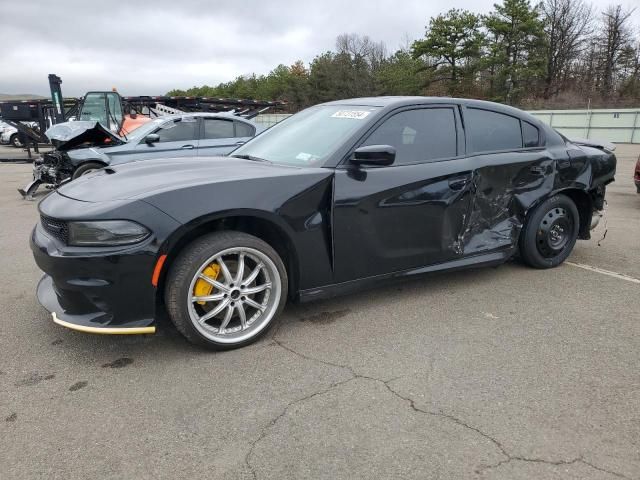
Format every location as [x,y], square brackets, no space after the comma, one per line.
[559,53]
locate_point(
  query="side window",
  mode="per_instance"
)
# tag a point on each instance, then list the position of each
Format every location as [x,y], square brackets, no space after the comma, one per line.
[244,130]
[491,131]
[530,135]
[418,135]
[178,130]
[215,128]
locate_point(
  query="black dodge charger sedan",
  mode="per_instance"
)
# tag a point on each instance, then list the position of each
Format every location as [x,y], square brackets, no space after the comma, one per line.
[339,197]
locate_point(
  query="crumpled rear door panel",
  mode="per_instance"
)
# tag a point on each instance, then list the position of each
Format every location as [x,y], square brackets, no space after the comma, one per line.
[506,185]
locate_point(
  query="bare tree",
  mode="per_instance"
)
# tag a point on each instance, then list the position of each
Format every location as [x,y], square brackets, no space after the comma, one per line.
[357,60]
[567,24]
[361,47]
[613,41]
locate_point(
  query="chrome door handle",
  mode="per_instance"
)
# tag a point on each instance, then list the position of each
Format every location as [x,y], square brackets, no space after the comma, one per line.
[187,147]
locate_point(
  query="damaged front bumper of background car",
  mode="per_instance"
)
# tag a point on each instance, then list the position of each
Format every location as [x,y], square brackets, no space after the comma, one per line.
[54,168]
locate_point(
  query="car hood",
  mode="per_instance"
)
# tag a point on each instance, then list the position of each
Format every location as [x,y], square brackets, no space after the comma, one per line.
[80,155]
[141,179]
[68,135]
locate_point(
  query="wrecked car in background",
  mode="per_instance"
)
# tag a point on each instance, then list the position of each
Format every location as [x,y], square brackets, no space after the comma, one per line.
[339,197]
[85,146]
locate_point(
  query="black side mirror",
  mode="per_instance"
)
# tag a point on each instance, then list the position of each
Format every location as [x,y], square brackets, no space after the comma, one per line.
[152,138]
[374,155]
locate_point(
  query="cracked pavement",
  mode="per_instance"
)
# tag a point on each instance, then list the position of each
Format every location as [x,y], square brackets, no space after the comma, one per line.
[505,373]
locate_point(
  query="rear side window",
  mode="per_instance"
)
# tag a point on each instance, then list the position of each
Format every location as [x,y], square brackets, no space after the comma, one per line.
[530,135]
[491,131]
[419,135]
[217,128]
[244,130]
[178,131]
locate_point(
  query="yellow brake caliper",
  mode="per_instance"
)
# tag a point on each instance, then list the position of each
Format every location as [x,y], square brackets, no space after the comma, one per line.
[202,287]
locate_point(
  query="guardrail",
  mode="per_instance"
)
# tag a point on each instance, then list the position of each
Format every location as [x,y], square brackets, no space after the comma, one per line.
[612,125]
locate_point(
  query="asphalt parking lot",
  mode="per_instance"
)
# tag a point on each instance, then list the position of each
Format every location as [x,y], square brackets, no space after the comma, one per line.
[499,373]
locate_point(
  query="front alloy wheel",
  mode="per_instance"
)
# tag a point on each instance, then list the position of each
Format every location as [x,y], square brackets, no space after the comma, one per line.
[225,290]
[241,289]
[15,141]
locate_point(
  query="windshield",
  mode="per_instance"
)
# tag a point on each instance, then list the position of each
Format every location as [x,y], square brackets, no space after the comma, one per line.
[308,138]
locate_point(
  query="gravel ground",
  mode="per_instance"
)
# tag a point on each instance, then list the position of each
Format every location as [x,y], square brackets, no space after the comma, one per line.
[500,373]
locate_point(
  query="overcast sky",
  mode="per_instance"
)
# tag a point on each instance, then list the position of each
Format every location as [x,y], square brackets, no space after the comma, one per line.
[148,48]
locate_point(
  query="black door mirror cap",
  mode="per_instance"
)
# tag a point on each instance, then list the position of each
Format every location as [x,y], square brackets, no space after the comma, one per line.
[374,155]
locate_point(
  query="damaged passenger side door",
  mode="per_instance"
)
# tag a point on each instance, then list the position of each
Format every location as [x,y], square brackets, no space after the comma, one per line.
[511,170]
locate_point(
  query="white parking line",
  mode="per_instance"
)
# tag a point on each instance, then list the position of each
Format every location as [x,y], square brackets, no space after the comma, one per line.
[620,276]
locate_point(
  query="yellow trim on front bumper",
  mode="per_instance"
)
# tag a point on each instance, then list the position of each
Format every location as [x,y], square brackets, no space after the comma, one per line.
[104,330]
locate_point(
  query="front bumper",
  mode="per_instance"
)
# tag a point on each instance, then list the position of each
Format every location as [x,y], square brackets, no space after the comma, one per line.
[102,291]
[88,323]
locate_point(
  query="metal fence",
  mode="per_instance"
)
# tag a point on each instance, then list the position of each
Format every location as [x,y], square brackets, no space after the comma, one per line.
[618,126]
[269,119]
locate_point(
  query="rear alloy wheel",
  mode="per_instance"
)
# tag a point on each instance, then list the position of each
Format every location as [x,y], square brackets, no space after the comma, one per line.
[550,233]
[225,289]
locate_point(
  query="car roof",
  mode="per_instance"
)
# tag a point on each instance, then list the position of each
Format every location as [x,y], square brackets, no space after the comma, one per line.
[392,102]
[206,114]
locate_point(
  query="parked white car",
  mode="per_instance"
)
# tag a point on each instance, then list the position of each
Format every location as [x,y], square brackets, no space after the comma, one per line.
[3,127]
[9,135]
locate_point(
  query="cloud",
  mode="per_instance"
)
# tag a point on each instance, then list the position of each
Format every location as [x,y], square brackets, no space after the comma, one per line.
[150,47]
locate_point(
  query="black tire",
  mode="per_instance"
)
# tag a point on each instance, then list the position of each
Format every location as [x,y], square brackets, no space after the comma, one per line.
[14,141]
[189,263]
[550,232]
[86,168]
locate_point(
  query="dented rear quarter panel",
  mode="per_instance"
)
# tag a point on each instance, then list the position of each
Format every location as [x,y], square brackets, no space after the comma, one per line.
[508,185]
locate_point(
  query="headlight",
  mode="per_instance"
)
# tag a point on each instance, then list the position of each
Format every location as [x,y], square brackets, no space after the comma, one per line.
[106,233]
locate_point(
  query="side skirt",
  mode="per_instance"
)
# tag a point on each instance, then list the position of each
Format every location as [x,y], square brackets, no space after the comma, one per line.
[352,286]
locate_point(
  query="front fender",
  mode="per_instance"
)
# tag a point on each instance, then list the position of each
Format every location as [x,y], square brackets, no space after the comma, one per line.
[300,214]
[83,155]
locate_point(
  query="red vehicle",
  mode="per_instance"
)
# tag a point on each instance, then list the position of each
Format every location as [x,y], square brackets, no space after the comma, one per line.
[636,174]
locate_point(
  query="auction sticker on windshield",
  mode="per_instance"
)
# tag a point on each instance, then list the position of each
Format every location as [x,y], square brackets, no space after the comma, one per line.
[354,114]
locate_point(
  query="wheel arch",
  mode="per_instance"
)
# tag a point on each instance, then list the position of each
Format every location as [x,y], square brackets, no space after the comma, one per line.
[583,203]
[257,223]
[12,137]
[90,160]
[76,167]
